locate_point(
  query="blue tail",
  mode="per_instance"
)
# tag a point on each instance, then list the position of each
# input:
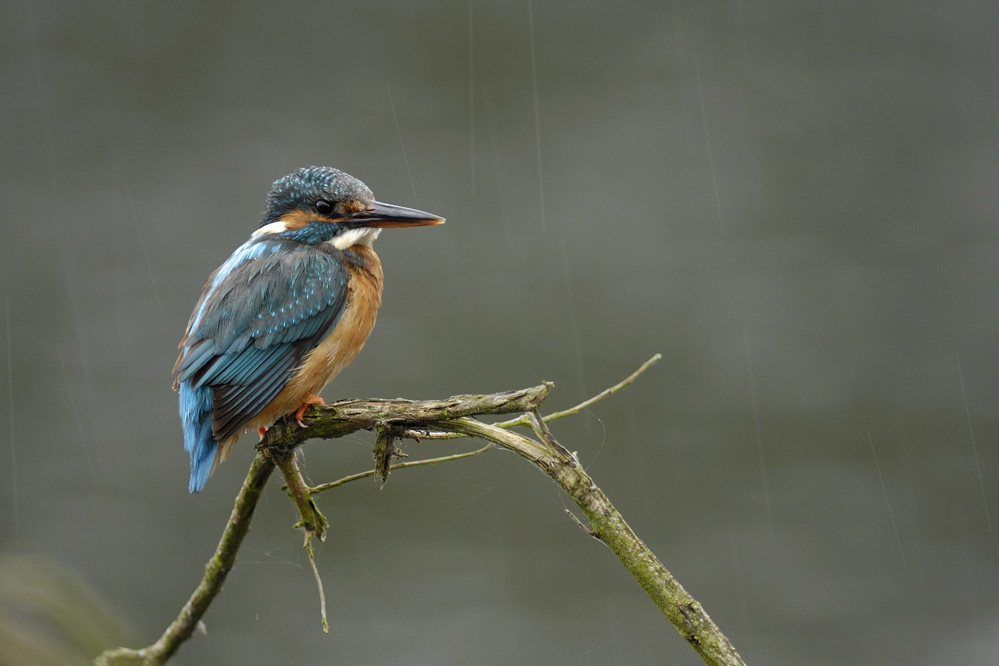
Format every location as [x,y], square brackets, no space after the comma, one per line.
[196,419]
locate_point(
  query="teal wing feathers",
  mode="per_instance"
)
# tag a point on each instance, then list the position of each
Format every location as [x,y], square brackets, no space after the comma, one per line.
[259,315]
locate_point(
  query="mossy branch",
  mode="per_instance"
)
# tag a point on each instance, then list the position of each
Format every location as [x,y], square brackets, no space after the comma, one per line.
[215,572]
[440,419]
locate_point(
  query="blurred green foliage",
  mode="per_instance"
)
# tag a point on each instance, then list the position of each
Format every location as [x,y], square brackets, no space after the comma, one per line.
[50,616]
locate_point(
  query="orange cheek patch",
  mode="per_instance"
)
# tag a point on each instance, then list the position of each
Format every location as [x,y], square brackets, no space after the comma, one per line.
[296,219]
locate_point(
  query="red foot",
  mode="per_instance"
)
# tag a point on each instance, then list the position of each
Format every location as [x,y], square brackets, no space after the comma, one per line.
[311,400]
[261,431]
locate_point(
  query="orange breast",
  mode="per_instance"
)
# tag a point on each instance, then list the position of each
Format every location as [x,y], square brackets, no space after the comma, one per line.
[334,353]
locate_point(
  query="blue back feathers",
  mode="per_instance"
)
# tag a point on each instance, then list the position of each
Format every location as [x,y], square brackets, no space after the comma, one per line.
[264,309]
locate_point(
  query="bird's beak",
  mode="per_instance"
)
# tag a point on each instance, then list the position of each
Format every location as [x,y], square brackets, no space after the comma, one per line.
[377,214]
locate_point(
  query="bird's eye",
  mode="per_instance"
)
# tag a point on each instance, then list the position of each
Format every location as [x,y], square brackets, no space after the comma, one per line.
[324,207]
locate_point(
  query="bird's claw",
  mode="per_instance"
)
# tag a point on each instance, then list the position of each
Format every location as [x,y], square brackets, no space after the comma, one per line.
[311,400]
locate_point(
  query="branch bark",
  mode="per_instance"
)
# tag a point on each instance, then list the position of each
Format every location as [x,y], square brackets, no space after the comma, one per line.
[215,572]
[608,526]
[434,419]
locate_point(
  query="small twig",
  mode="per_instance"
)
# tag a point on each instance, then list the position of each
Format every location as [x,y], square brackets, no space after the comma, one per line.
[319,584]
[405,465]
[580,524]
[524,421]
[313,521]
[545,435]
[383,453]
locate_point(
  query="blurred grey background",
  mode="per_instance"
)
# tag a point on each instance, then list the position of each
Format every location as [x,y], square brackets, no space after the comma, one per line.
[794,202]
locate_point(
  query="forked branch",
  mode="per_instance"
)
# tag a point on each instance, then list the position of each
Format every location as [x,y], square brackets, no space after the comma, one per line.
[440,419]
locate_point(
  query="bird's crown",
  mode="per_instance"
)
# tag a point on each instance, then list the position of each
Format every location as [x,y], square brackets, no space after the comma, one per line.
[301,189]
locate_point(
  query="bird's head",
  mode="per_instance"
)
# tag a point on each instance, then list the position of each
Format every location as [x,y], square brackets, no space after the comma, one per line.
[319,204]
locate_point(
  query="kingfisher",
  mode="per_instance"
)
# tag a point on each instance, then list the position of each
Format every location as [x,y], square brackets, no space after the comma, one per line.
[285,313]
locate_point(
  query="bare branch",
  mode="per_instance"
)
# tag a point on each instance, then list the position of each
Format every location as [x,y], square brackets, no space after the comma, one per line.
[443,419]
[313,521]
[343,417]
[523,421]
[406,465]
[215,572]
[607,525]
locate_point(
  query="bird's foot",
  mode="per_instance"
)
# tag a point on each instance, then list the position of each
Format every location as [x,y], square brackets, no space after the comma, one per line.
[261,431]
[311,400]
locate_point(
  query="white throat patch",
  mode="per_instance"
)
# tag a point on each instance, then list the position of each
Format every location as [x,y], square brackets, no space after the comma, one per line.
[358,236]
[272,228]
